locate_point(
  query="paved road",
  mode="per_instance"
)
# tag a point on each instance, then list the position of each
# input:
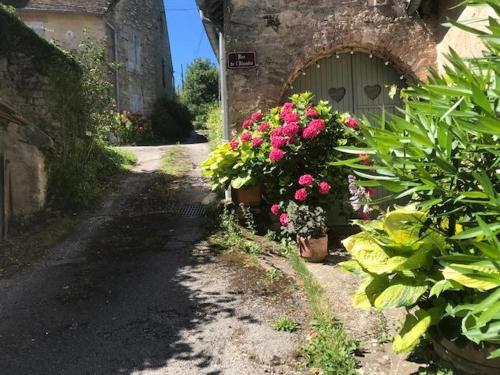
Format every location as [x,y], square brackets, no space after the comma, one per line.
[137,290]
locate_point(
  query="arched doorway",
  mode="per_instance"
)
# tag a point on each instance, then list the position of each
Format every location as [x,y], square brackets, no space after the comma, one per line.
[355,82]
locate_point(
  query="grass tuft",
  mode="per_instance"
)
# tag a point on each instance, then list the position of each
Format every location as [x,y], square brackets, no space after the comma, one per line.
[328,347]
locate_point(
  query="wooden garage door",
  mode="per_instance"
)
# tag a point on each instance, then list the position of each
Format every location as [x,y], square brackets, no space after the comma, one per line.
[355,83]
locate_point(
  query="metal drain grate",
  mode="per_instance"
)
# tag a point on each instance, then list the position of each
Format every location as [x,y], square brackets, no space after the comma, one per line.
[190,210]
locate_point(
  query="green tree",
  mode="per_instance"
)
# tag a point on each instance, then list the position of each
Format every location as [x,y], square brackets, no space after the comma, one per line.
[201,88]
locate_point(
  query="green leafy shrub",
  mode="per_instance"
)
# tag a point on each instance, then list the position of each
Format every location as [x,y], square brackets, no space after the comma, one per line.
[305,221]
[214,126]
[442,254]
[171,120]
[132,128]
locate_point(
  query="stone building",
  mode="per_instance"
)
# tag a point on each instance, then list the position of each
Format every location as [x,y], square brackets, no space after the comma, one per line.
[134,32]
[346,51]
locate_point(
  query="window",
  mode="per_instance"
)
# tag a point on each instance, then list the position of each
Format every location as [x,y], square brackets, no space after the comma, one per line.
[134,51]
[38,27]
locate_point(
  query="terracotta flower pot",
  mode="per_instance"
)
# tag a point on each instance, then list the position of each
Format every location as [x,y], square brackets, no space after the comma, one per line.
[313,249]
[250,196]
[465,358]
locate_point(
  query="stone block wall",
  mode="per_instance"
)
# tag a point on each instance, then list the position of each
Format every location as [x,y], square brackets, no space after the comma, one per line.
[144,53]
[40,85]
[289,35]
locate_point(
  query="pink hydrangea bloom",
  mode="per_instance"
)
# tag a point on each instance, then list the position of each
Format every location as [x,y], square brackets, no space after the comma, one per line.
[312,112]
[291,117]
[275,209]
[291,129]
[264,127]
[278,142]
[306,180]
[234,144]
[324,187]
[246,124]
[287,107]
[351,123]
[301,195]
[276,154]
[257,116]
[284,219]
[317,124]
[276,132]
[246,137]
[309,133]
[257,141]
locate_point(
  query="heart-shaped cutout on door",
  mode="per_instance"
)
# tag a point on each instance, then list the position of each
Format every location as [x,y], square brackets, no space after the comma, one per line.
[337,93]
[373,91]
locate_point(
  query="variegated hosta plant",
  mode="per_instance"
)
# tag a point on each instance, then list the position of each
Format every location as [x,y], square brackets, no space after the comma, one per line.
[406,260]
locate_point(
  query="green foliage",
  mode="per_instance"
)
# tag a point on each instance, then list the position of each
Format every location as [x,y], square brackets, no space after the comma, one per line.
[201,89]
[81,171]
[171,120]
[441,254]
[249,219]
[214,126]
[131,129]
[306,221]
[285,324]
[328,347]
[275,274]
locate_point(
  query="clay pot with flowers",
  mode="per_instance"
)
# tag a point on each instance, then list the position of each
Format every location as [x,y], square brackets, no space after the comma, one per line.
[308,223]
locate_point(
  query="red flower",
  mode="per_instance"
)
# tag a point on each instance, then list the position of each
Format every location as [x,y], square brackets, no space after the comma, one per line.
[275,209]
[364,215]
[306,180]
[257,116]
[278,142]
[246,137]
[246,124]
[276,132]
[276,154]
[309,133]
[318,125]
[301,195]
[257,141]
[364,158]
[351,123]
[263,127]
[291,117]
[312,112]
[291,129]
[287,107]
[284,219]
[234,144]
[324,187]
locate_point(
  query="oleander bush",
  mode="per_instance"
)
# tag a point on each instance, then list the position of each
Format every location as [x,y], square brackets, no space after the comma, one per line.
[440,256]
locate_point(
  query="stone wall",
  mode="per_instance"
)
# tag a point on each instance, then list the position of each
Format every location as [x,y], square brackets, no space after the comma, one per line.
[41,84]
[289,35]
[144,52]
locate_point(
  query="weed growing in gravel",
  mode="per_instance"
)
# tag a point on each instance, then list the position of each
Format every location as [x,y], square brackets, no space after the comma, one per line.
[275,274]
[231,231]
[249,220]
[285,324]
[328,347]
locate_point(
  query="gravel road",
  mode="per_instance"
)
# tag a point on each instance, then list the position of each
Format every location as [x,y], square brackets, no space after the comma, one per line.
[136,289]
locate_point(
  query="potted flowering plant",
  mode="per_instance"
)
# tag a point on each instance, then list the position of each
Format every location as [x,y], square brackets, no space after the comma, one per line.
[308,223]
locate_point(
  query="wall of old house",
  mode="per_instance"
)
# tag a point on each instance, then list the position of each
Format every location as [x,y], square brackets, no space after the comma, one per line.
[465,44]
[289,35]
[66,30]
[144,53]
[41,84]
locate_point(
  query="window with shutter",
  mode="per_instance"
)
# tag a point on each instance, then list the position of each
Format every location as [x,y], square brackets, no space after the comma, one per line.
[134,52]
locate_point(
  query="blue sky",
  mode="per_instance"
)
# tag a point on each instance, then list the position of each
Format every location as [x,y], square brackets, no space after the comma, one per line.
[187,35]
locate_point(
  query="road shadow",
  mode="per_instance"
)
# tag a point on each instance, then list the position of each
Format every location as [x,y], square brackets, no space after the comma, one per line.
[125,304]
